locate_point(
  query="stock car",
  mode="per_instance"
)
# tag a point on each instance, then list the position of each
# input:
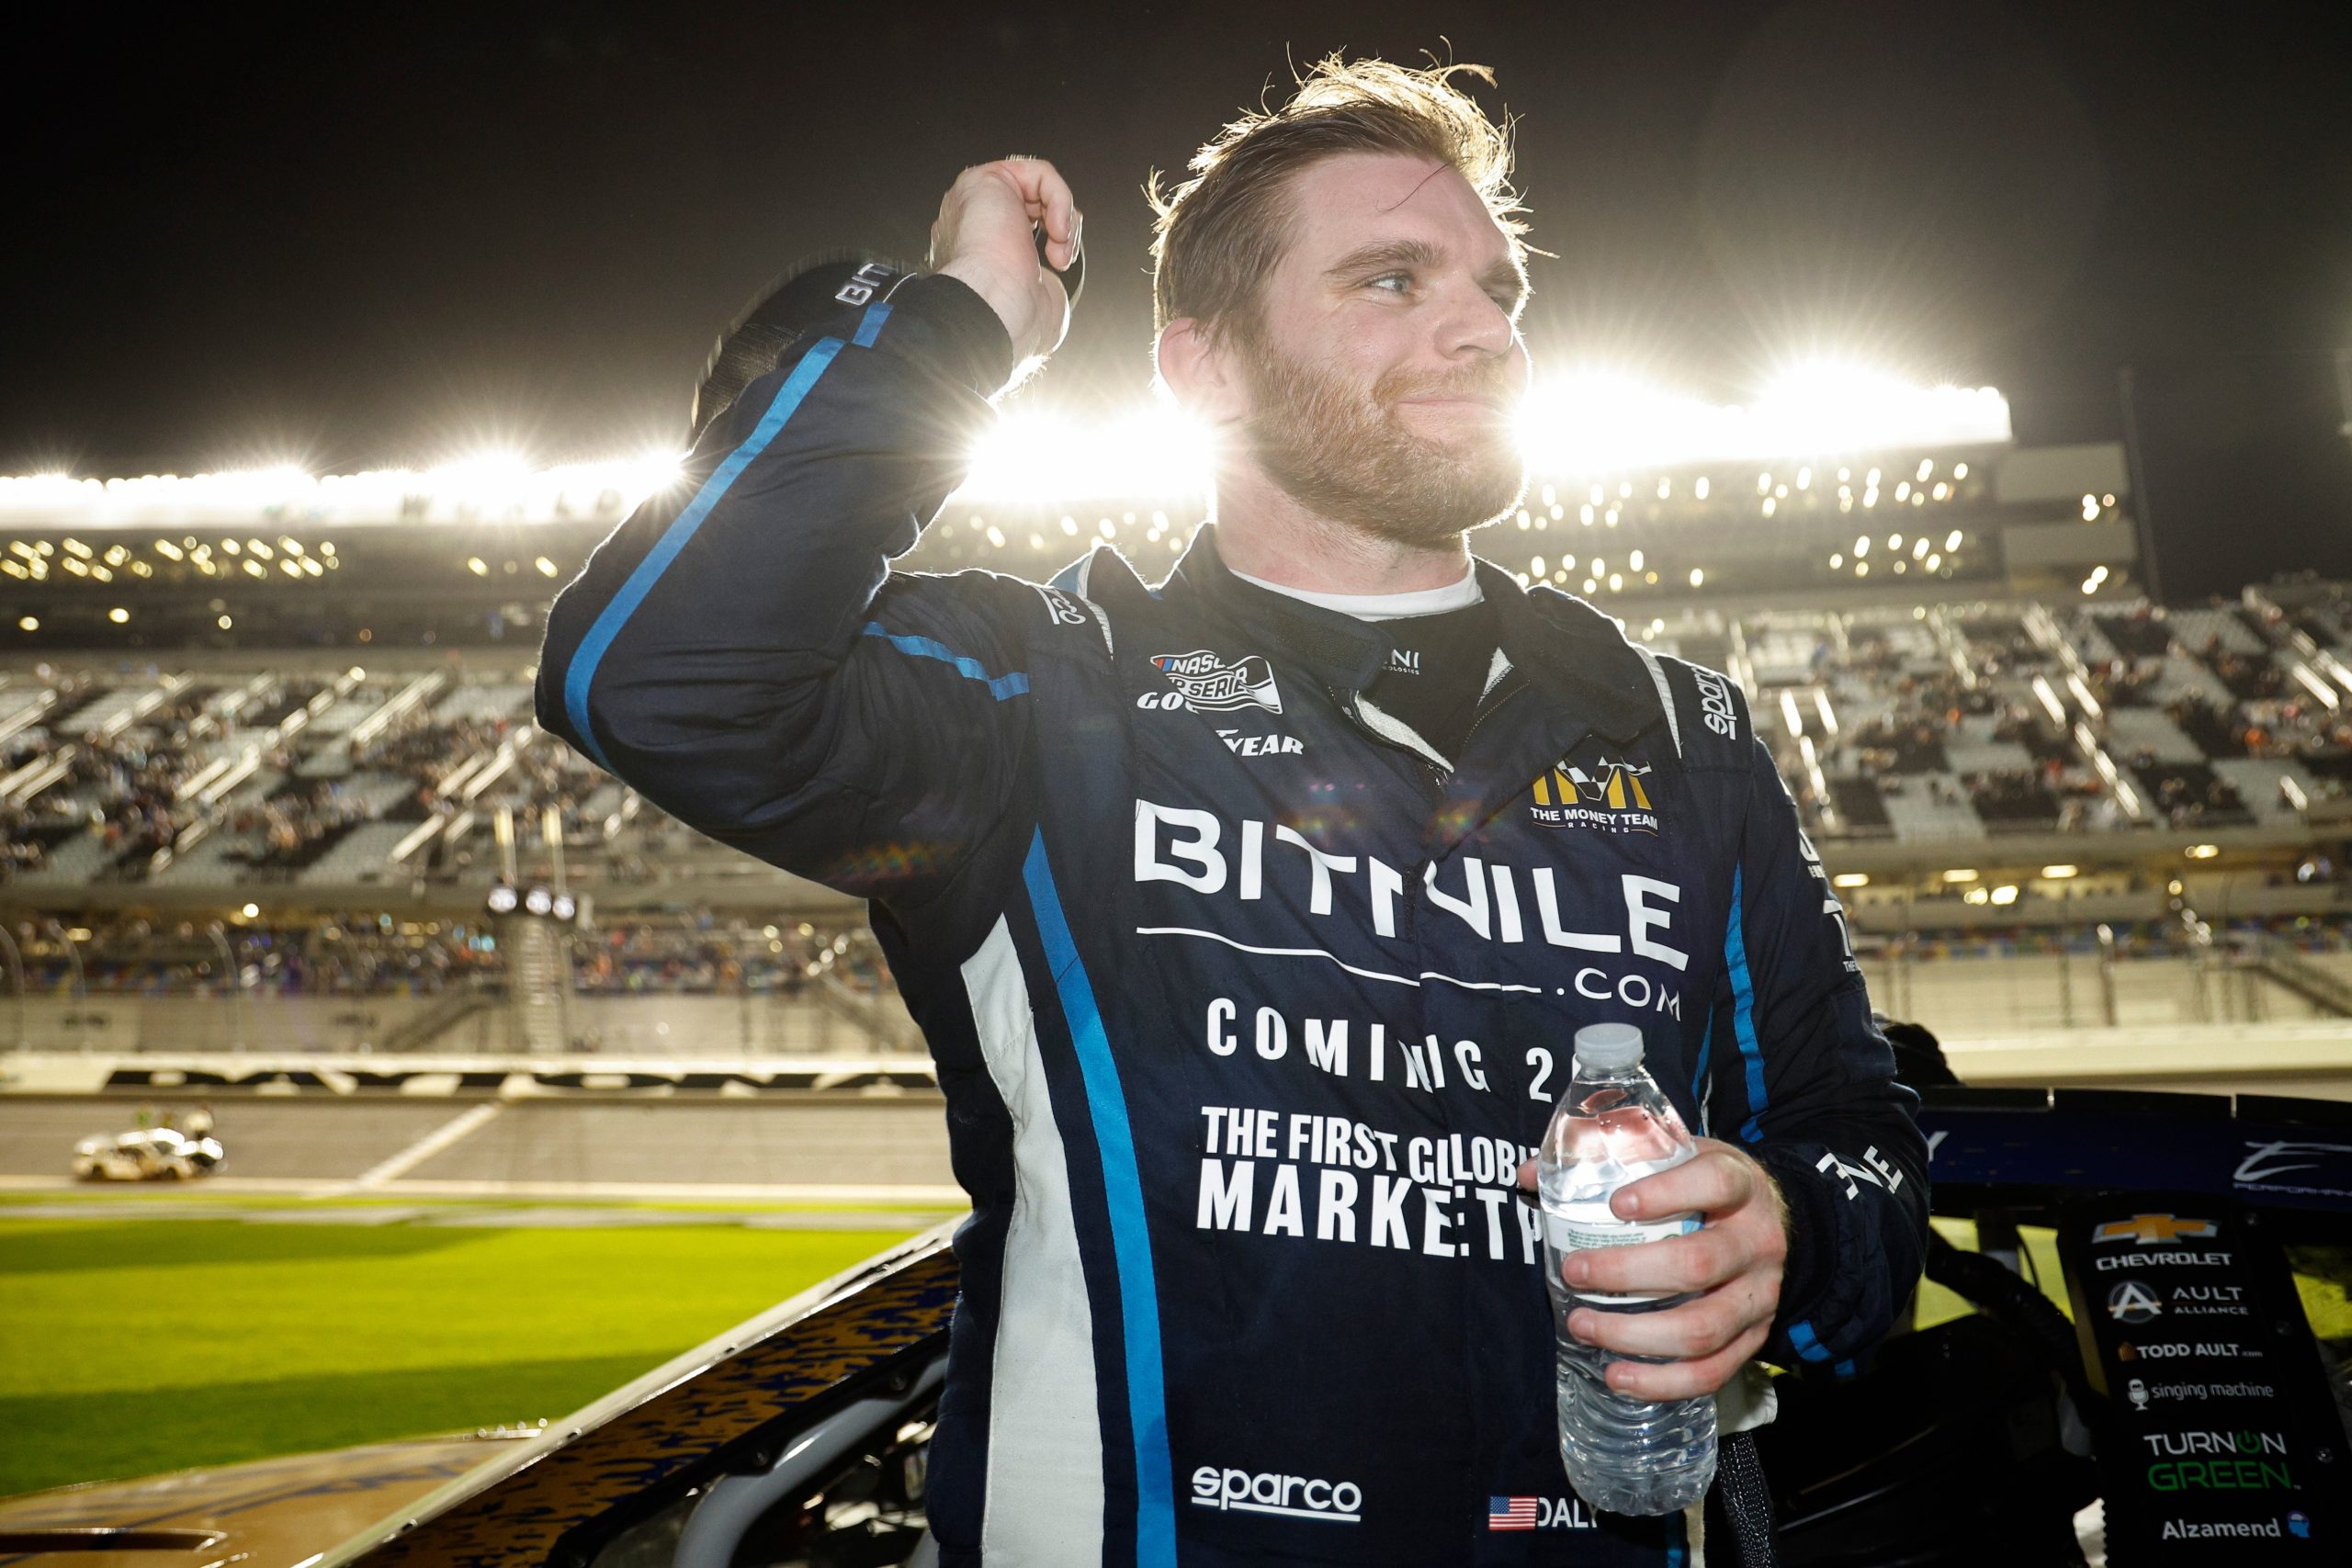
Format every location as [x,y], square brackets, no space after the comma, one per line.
[147,1153]
[800,1438]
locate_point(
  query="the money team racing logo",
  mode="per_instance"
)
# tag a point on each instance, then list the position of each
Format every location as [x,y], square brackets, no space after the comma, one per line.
[1611,798]
[1208,682]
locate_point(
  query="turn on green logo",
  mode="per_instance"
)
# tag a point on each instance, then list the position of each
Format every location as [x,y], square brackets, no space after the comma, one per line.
[2222,1461]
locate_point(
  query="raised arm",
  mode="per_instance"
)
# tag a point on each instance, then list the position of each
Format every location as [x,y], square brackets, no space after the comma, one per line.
[738,650]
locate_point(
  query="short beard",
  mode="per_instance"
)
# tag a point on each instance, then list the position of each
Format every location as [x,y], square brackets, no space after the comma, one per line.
[1345,455]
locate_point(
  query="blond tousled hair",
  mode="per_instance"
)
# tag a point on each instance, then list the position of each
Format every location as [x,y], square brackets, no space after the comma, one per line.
[1218,234]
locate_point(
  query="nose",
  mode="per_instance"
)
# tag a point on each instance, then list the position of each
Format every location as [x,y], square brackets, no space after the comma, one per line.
[1474,325]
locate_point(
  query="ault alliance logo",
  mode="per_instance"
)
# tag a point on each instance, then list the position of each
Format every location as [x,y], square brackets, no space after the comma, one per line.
[1209,683]
[1611,798]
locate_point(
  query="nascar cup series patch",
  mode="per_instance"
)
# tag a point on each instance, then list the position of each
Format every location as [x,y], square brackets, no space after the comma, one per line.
[1610,797]
[1208,682]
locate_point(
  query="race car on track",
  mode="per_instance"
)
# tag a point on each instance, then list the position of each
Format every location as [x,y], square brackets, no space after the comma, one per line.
[2188,1396]
[147,1154]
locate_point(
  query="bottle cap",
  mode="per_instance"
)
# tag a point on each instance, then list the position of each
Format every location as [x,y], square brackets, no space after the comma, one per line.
[1609,1045]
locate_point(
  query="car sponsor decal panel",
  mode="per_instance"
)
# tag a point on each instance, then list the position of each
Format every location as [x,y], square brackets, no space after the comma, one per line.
[2213,1431]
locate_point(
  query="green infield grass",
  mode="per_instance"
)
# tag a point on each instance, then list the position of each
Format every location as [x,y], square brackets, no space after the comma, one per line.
[128,1347]
[131,1346]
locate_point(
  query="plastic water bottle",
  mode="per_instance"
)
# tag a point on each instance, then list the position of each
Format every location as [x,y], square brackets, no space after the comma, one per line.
[1612,1126]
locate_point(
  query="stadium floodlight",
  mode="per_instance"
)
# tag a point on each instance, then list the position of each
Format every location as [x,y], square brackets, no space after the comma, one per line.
[1599,422]
[649,471]
[1582,423]
[1596,422]
[1827,406]
[491,481]
[498,483]
[1032,456]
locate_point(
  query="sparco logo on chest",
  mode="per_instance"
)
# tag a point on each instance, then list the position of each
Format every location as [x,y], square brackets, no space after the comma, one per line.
[1208,682]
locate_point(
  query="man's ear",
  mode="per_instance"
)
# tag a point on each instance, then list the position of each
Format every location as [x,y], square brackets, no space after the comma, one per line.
[1197,367]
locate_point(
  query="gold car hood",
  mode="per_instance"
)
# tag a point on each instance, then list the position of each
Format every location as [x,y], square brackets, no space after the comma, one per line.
[270,1513]
[497,1500]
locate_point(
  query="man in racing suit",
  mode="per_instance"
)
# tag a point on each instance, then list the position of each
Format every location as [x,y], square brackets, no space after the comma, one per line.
[1250,997]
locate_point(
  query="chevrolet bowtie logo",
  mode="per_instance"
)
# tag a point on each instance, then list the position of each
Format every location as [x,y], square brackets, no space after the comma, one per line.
[2152,1228]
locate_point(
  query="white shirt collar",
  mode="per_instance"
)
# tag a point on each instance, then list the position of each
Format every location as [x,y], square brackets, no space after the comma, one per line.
[1384,606]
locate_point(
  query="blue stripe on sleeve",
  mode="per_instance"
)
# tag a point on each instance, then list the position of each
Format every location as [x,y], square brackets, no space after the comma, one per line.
[870,326]
[1699,1095]
[1801,1336]
[623,604]
[1130,1240]
[1000,686]
[1742,1012]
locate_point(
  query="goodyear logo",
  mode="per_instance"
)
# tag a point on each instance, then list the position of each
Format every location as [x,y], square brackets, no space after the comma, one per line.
[2152,1228]
[1611,798]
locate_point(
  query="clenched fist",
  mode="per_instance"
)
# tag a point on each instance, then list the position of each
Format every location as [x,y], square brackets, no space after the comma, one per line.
[984,237]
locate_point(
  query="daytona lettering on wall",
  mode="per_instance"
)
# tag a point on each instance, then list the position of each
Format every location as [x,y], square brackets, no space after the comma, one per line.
[473,1076]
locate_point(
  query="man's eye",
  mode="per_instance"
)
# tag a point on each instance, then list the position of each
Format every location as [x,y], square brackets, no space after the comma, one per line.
[1402,282]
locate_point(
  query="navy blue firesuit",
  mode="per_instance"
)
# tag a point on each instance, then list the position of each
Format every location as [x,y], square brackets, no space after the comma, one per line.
[1246,1003]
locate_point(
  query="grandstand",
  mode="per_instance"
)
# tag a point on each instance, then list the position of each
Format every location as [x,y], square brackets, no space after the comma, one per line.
[271,790]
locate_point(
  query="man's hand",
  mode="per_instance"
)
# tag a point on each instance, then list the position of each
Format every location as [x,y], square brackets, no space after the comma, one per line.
[984,237]
[1733,1262]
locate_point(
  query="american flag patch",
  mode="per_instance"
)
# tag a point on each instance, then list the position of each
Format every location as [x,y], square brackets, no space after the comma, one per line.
[1510,1513]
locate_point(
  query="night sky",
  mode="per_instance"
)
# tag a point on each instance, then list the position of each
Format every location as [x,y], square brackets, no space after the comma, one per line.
[388,235]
